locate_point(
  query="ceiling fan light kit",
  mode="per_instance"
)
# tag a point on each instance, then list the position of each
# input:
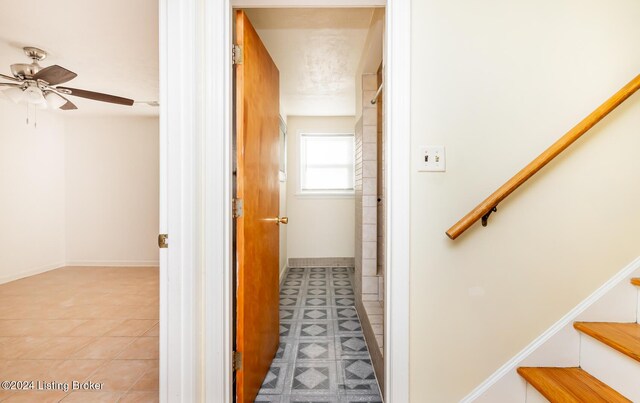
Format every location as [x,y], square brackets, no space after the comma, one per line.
[54,100]
[14,94]
[33,95]
[37,86]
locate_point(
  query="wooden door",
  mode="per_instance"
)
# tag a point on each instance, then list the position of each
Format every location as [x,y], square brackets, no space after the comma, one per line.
[258,186]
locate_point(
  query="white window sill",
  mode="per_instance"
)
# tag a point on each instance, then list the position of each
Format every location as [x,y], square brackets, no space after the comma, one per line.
[325,195]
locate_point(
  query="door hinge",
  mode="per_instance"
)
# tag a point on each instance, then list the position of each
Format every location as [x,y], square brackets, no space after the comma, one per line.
[236,54]
[163,241]
[237,360]
[237,208]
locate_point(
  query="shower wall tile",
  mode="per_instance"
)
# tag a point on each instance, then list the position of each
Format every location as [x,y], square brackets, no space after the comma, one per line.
[369,267]
[369,250]
[369,117]
[370,216]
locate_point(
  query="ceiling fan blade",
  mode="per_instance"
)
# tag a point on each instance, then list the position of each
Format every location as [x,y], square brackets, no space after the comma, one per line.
[96,96]
[69,106]
[55,75]
[10,78]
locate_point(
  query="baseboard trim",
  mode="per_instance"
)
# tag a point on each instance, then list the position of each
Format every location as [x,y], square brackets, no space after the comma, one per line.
[114,263]
[30,272]
[321,262]
[570,317]
[283,273]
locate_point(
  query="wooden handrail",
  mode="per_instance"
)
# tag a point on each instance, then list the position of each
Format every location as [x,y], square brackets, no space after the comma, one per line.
[490,203]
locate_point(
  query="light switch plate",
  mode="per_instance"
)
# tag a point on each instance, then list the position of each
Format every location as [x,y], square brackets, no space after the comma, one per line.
[432,159]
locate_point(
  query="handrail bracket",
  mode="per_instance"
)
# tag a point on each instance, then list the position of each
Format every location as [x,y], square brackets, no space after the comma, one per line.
[485,218]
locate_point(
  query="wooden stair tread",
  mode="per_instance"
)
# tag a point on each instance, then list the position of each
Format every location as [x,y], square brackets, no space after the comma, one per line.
[569,385]
[624,337]
[636,281]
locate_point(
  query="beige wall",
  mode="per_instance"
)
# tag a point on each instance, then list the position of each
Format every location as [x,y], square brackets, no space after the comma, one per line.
[496,82]
[32,196]
[112,180]
[318,226]
[371,55]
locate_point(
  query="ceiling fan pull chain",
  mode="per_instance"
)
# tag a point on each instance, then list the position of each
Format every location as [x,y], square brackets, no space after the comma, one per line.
[27,114]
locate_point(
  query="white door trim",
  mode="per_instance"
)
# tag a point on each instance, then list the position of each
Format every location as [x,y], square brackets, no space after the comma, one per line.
[180,201]
[397,101]
[196,110]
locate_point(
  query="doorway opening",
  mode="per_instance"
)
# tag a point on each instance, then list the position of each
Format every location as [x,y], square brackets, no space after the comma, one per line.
[79,173]
[309,234]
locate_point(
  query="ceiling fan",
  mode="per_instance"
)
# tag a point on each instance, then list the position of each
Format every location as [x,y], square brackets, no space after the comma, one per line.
[38,85]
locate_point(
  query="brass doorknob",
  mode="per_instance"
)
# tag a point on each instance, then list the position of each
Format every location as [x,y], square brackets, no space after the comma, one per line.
[279,220]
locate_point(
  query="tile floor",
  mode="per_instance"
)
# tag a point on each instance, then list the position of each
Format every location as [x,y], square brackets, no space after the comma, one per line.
[323,355]
[80,324]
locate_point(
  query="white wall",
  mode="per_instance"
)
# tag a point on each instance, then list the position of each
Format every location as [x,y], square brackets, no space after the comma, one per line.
[283,229]
[32,192]
[112,175]
[76,191]
[496,82]
[318,226]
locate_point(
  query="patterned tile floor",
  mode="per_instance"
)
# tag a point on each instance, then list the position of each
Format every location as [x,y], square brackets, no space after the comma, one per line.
[323,356]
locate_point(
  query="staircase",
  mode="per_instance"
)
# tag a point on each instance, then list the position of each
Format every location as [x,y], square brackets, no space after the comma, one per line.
[609,368]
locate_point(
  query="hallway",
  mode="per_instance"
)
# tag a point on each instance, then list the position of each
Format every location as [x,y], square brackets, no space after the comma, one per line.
[322,356]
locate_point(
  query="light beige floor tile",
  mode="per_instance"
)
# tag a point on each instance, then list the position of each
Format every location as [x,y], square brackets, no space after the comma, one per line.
[120,375]
[28,370]
[36,396]
[94,327]
[57,347]
[143,312]
[150,381]
[92,397]
[73,370]
[14,347]
[140,397]
[132,327]
[128,299]
[53,327]
[103,348]
[4,394]
[142,348]
[153,332]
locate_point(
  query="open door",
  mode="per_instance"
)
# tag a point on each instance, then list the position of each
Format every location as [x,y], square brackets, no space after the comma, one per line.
[257,207]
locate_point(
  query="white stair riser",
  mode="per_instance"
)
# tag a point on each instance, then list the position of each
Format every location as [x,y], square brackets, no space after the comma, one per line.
[611,367]
[533,396]
[615,301]
[638,301]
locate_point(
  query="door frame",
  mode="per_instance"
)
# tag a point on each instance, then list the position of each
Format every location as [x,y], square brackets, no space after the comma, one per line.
[196,155]
[194,209]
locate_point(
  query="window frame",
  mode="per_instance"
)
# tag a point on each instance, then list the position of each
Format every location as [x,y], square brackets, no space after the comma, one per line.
[301,191]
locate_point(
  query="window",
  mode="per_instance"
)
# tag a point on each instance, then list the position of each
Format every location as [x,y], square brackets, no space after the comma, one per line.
[326,163]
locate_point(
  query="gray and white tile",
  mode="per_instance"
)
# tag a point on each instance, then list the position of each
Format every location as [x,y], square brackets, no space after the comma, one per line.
[322,356]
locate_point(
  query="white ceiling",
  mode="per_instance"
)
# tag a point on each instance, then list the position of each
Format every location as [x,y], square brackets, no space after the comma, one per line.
[112,46]
[317,52]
